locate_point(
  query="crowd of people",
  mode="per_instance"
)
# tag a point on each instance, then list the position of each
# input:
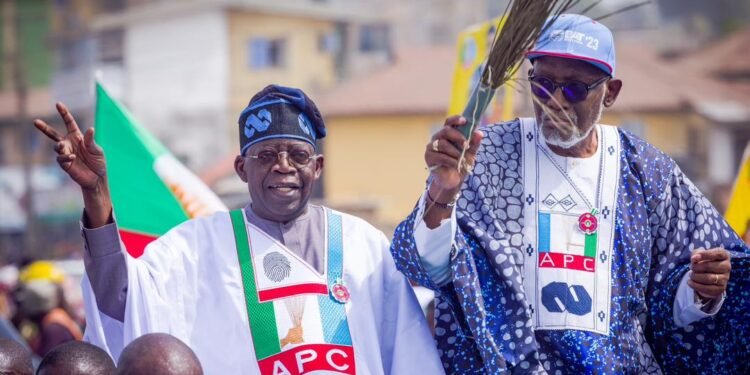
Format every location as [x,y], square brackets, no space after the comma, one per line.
[34,309]
[554,244]
[153,353]
[41,334]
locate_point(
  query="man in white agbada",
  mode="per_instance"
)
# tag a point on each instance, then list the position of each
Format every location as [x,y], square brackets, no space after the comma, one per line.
[280,287]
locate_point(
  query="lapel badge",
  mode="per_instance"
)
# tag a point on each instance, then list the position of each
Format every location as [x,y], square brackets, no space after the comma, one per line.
[339,292]
[588,223]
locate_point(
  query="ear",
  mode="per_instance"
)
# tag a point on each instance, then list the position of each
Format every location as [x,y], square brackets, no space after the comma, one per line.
[613,90]
[319,162]
[239,167]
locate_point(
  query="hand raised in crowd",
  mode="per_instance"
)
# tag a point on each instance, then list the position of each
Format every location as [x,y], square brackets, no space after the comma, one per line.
[83,160]
[442,156]
[710,274]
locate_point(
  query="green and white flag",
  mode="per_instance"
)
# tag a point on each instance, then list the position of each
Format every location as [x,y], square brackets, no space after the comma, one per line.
[151,190]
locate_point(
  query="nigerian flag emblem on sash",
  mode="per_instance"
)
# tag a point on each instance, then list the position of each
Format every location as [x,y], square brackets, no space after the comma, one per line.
[297,317]
[569,232]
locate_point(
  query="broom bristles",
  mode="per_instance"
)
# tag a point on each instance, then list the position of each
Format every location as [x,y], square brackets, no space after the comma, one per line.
[517,33]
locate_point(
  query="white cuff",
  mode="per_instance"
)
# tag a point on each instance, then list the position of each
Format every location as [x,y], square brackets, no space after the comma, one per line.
[687,307]
[434,245]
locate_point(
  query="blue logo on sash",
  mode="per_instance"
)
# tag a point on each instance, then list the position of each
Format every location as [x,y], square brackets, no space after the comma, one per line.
[577,304]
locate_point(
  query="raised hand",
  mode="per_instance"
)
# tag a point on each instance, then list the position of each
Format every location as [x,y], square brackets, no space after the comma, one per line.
[83,160]
[77,153]
[442,156]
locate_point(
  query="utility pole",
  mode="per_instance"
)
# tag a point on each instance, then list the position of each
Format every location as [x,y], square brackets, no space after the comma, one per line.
[20,86]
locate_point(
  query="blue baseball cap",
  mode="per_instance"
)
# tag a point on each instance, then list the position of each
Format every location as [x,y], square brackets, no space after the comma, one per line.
[577,37]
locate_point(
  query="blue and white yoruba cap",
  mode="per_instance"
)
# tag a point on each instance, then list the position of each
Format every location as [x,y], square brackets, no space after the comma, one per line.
[577,37]
[280,112]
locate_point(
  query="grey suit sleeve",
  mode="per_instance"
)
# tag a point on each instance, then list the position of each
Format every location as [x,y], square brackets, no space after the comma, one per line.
[104,259]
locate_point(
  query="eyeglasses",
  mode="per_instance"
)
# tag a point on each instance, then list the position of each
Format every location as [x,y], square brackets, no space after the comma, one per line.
[573,91]
[296,158]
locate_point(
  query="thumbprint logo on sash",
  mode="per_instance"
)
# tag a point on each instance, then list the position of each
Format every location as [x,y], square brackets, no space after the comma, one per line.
[276,266]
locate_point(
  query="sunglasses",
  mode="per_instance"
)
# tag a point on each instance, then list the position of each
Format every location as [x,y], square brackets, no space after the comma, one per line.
[573,91]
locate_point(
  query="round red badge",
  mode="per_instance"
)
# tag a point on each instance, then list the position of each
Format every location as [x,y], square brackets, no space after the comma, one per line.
[339,292]
[587,223]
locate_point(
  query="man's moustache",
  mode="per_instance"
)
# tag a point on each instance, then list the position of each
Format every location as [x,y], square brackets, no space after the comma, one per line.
[561,122]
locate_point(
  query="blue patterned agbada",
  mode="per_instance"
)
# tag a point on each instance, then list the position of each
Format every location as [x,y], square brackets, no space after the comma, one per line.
[483,323]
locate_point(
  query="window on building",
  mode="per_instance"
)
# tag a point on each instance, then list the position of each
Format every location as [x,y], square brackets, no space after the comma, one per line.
[266,53]
[328,42]
[73,53]
[110,46]
[373,37]
[111,6]
[66,57]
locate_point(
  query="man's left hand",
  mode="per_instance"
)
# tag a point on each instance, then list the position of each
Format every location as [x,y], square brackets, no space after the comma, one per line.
[710,274]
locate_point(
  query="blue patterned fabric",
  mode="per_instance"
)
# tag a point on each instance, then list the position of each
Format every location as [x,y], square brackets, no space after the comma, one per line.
[483,322]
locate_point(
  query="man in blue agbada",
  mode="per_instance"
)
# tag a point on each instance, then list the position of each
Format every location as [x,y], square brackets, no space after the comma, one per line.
[573,247]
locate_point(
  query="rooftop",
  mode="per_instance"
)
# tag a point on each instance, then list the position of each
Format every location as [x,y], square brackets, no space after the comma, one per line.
[333,10]
[418,81]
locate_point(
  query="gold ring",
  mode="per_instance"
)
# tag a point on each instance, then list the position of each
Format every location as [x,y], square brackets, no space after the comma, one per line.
[435,146]
[716,279]
[468,167]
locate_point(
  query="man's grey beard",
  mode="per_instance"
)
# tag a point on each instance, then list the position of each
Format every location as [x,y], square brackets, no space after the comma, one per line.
[576,136]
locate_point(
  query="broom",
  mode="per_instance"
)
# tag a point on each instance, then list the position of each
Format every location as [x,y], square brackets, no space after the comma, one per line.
[516,33]
[524,22]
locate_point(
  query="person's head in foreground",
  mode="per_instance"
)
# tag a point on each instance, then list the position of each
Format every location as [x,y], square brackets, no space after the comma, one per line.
[76,358]
[278,155]
[14,358]
[158,354]
[572,79]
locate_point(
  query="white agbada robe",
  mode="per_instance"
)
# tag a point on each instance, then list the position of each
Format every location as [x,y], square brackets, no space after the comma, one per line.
[188,284]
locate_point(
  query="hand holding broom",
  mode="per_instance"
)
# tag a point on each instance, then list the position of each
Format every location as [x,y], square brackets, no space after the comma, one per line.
[451,153]
[443,155]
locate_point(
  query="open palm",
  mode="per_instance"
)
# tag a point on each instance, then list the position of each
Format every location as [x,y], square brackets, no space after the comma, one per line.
[77,153]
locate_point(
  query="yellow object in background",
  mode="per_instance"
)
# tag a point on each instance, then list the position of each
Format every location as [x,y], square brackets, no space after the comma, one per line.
[738,209]
[41,270]
[473,46]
